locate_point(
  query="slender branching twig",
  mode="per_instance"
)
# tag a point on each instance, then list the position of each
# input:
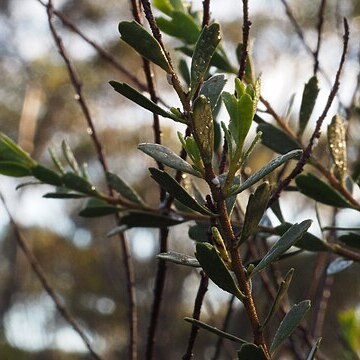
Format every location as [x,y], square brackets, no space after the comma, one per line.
[245,39]
[319,33]
[40,274]
[206,12]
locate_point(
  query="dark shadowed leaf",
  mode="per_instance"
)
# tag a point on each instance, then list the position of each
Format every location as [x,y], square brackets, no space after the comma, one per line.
[289,239]
[204,50]
[200,231]
[338,265]
[251,352]
[46,175]
[212,89]
[177,191]
[63,195]
[138,98]
[167,157]
[15,169]
[215,330]
[290,322]
[75,182]
[95,208]
[276,139]
[123,188]
[351,239]
[215,268]
[178,258]
[255,210]
[311,91]
[144,43]
[184,71]
[313,350]
[316,189]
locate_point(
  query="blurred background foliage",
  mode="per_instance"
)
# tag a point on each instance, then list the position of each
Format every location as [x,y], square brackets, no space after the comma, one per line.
[38,109]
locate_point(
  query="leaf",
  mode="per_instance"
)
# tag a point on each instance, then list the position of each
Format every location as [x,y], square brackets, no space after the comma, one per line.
[204,50]
[308,242]
[276,139]
[167,157]
[178,258]
[289,239]
[267,169]
[313,350]
[203,128]
[96,207]
[75,182]
[177,191]
[351,239]
[181,26]
[125,190]
[200,231]
[184,71]
[215,330]
[215,268]
[70,157]
[316,189]
[338,265]
[250,351]
[283,288]
[310,93]
[14,169]
[144,43]
[290,322]
[164,5]
[212,89]
[46,175]
[63,195]
[135,96]
[255,210]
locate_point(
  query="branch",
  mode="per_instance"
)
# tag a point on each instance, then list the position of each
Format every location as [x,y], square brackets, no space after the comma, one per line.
[206,13]
[319,33]
[39,272]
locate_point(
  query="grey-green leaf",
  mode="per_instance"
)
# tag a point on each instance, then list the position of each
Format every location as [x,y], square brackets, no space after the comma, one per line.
[178,258]
[290,322]
[70,157]
[167,157]
[251,352]
[204,50]
[177,191]
[267,169]
[215,330]
[215,268]
[255,210]
[96,208]
[63,195]
[75,182]
[316,189]
[135,96]
[124,189]
[311,91]
[338,265]
[313,350]
[144,43]
[289,239]
[212,89]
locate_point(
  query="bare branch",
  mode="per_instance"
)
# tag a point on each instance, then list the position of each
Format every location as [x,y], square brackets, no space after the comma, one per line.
[319,33]
[206,12]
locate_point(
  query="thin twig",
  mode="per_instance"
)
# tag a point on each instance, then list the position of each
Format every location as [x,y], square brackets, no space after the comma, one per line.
[317,131]
[129,271]
[319,33]
[203,286]
[40,274]
[206,13]
[245,39]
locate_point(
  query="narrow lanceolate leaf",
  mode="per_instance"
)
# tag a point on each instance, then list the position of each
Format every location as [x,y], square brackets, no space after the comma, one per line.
[14,169]
[283,288]
[138,98]
[215,330]
[203,128]
[267,169]
[177,191]
[251,352]
[351,239]
[216,269]
[75,182]
[338,265]
[204,50]
[276,139]
[70,157]
[212,89]
[63,195]
[290,322]
[311,91]
[178,258]
[255,210]
[316,189]
[337,145]
[167,157]
[289,239]
[46,175]
[313,350]
[96,208]
[144,43]
[124,189]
